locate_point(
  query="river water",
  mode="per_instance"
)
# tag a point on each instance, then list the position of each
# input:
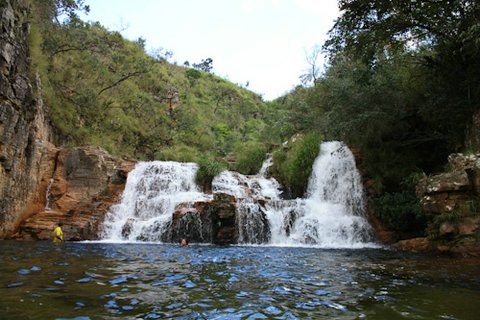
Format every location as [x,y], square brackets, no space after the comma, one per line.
[40,280]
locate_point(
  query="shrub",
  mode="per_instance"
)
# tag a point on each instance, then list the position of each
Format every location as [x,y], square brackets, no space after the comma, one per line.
[402,211]
[180,153]
[293,167]
[207,169]
[250,157]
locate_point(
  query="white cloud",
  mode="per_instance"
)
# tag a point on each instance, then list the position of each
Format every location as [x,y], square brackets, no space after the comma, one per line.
[324,9]
[250,6]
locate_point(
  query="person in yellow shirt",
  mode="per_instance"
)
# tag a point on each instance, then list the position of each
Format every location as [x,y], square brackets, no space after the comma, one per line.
[58,233]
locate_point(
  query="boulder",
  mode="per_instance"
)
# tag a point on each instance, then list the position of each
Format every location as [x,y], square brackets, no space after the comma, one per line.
[78,225]
[448,182]
[223,216]
[447,229]
[192,223]
[469,225]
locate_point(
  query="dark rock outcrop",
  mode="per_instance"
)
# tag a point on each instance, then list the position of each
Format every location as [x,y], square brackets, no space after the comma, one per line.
[206,222]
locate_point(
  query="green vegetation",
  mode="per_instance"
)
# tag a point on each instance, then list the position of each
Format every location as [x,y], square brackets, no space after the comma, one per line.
[293,164]
[401,211]
[207,170]
[250,157]
[104,90]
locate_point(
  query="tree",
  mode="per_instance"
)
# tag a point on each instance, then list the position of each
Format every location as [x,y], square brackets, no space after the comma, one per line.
[49,11]
[224,96]
[367,27]
[443,36]
[313,72]
[204,65]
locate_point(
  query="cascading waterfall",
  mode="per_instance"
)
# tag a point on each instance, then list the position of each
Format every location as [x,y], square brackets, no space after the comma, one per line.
[331,215]
[251,192]
[333,211]
[152,191]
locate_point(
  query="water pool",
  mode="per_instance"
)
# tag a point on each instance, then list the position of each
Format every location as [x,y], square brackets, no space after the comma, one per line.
[40,280]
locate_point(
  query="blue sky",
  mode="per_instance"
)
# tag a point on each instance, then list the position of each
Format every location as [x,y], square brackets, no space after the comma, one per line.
[262,42]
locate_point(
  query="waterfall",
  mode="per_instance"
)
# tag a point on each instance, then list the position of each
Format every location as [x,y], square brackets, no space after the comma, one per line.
[251,193]
[264,170]
[152,191]
[331,215]
[333,212]
[48,195]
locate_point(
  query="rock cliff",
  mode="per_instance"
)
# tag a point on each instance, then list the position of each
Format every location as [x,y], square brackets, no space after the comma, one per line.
[24,132]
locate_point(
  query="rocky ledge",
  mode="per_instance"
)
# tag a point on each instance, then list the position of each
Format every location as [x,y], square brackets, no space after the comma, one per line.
[451,201]
[85,182]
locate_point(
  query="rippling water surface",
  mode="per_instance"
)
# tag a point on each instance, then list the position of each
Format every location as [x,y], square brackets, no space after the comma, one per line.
[155,281]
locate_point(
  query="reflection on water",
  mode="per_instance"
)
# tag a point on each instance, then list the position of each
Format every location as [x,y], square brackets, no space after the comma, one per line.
[157,281]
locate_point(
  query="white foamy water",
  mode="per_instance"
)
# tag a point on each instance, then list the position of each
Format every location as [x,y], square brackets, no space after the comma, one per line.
[152,191]
[331,215]
[242,186]
[251,191]
[333,212]
[48,195]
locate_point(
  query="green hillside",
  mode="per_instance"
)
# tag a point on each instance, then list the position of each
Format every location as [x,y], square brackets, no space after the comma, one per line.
[101,89]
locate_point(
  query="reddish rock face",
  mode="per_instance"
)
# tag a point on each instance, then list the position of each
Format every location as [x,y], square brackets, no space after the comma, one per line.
[85,183]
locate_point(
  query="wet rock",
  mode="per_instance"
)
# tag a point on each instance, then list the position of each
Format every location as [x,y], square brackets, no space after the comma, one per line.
[415,245]
[192,223]
[223,213]
[206,221]
[127,228]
